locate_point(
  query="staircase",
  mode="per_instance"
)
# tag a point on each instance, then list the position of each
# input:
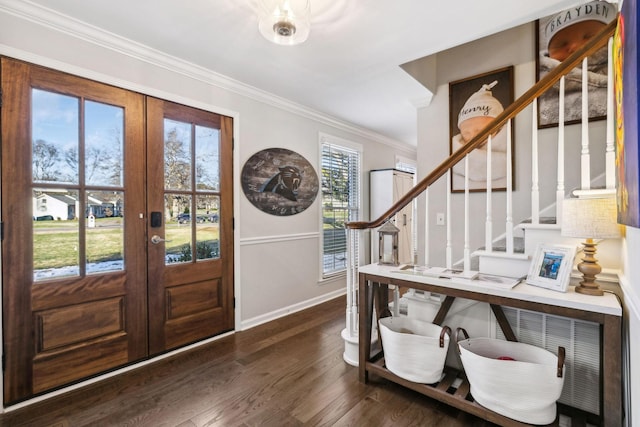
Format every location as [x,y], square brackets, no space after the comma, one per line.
[508,254]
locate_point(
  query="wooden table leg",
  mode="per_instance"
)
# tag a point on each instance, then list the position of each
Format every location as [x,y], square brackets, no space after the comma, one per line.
[365,317]
[612,371]
[444,310]
[503,323]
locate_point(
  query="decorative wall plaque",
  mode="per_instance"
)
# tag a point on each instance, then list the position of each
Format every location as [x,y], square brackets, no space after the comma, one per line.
[279,181]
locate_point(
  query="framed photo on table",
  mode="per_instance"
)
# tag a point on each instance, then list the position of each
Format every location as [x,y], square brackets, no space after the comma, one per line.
[473,103]
[551,267]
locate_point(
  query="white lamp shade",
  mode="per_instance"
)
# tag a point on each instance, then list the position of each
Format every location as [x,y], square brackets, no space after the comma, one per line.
[590,218]
[285,22]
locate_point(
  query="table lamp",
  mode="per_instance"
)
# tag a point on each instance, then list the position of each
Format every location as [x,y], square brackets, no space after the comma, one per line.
[590,218]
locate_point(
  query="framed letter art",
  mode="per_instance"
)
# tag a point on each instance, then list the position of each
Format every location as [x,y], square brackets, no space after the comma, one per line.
[473,103]
[558,36]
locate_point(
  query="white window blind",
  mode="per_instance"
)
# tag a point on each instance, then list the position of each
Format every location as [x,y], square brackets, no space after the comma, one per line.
[340,204]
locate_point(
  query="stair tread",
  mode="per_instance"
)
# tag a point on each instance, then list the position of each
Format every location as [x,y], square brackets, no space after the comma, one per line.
[542,220]
[501,245]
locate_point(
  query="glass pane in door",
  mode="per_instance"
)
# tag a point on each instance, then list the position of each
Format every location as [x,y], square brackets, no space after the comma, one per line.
[104,134]
[208,227]
[207,158]
[104,231]
[56,234]
[55,137]
[177,155]
[178,231]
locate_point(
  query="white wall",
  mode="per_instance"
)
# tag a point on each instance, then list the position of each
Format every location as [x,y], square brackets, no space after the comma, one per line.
[630,282]
[277,258]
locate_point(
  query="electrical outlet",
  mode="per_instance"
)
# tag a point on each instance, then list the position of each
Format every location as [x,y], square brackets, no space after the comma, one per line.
[439,218]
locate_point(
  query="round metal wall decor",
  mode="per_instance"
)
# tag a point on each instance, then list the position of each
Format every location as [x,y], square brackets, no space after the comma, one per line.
[279,181]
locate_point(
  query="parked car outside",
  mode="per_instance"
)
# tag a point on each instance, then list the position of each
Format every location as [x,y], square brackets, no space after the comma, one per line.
[184,218]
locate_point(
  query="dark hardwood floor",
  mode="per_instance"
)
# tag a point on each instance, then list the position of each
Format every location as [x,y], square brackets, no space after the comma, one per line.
[288,372]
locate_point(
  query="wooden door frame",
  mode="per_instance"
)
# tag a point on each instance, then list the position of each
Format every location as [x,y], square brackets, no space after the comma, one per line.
[237,291]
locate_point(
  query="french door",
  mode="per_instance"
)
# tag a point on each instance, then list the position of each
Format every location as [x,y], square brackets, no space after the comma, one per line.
[190,255]
[117,217]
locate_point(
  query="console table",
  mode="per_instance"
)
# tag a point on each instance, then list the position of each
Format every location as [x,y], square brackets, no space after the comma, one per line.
[374,281]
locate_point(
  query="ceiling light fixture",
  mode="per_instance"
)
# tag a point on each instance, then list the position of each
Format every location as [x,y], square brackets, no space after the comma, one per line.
[285,22]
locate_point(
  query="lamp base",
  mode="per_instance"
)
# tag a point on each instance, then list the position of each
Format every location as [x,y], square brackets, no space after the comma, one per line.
[581,289]
[589,268]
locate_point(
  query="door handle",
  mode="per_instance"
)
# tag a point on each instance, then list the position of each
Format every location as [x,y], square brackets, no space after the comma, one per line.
[155,239]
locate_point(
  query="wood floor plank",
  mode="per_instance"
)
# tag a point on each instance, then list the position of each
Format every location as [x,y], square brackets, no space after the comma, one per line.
[287,372]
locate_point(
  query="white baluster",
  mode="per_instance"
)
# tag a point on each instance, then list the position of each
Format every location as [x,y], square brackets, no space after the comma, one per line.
[352,285]
[467,258]
[610,156]
[350,332]
[509,194]
[448,252]
[426,227]
[585,157]
[488,225]
[560,178]
[535,184]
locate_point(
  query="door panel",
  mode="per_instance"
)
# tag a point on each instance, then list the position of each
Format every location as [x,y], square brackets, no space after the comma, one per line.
[65,317]
[190,183]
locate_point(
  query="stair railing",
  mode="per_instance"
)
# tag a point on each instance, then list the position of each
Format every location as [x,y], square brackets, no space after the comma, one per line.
[504,118]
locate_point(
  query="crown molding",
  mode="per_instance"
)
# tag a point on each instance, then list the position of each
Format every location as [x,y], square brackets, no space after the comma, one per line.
[72,27]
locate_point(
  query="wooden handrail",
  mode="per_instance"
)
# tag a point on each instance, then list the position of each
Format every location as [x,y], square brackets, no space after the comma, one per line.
[511,111]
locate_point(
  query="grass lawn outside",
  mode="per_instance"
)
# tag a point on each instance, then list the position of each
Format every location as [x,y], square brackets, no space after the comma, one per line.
[55,243]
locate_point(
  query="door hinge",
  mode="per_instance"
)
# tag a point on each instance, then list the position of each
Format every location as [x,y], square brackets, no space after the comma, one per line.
[1,231]
[0,98]
[4,362]
[233,223]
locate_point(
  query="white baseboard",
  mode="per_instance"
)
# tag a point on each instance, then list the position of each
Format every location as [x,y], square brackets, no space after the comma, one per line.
[267,317]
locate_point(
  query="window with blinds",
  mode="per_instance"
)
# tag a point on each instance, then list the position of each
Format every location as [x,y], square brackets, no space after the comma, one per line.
[340,204]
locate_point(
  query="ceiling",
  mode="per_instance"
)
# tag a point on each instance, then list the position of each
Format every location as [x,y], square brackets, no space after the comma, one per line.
[348,69]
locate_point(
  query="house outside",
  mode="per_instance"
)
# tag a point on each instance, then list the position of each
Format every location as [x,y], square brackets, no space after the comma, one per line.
[54,207]
[61,207]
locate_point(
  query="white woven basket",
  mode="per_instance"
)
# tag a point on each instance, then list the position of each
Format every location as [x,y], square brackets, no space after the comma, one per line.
[525,388]
[414,349]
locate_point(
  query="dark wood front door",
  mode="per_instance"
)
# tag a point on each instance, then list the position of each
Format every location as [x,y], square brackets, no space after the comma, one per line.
[85,289]
[190,252]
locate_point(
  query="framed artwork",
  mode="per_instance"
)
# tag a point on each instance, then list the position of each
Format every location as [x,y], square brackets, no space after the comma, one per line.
[473,103]
[279,182]
[625,66]
[559,35]
[551,267]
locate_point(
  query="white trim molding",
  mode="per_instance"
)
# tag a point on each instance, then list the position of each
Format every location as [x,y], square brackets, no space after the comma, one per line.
[263,240]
